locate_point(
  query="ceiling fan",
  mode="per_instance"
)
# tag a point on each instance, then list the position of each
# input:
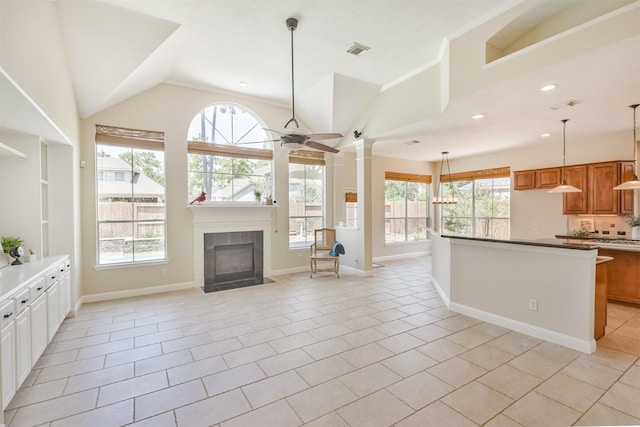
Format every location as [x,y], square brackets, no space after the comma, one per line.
[295,138]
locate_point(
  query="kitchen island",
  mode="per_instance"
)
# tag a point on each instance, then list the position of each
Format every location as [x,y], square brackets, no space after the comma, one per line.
[543,288]
[623,274]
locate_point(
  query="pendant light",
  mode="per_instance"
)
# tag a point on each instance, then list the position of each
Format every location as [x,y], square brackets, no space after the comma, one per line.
[564,187]
[634,184]
[444,200]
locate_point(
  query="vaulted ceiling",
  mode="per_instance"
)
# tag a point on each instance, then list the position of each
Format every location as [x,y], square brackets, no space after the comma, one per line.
[119,48]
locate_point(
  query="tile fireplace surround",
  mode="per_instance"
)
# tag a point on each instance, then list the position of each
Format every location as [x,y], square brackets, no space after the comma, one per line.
[221,219]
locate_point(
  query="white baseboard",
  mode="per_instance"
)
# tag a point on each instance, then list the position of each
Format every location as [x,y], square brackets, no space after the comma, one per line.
[105,296]
[443,295]
[401,256]
[585,346]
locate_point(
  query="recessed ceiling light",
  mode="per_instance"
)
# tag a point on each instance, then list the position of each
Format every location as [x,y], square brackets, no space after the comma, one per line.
[477,116]
[544,135]
[243,83]
[547,88]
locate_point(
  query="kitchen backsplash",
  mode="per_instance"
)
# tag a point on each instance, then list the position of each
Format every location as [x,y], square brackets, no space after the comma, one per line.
[601,224]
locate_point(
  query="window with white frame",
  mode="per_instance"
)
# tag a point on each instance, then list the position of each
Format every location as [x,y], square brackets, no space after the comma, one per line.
[406,207]
[306,196]
[230,155]
[483,204]
[351,209]
[130,184]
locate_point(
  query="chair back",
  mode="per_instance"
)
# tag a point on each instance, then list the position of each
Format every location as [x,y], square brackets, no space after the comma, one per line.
[324,238]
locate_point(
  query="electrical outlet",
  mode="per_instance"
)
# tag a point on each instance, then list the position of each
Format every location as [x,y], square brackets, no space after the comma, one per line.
[533,304]
[164,272]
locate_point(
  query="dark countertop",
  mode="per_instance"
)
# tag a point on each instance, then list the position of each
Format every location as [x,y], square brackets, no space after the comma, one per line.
[548,243]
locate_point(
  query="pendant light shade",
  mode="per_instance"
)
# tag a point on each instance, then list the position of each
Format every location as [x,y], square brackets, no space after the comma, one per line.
[442,199]
[564,187]
[634,184]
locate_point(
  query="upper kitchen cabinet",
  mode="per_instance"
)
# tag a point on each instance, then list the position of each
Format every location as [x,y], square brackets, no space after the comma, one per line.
[626,196]
[598,197]
[576,203]
[535,179]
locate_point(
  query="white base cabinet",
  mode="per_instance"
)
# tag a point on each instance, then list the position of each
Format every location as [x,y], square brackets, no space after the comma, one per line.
[8,355]
[39,336]
[36,298]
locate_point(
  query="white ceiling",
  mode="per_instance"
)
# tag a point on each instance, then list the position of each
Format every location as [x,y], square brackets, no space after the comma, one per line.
[118,48]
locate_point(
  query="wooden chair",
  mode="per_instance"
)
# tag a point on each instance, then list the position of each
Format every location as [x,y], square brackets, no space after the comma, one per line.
[323,243]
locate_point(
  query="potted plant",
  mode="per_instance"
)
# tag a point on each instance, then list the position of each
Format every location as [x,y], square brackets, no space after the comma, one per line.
[257,193]
[634,222]
[9,242]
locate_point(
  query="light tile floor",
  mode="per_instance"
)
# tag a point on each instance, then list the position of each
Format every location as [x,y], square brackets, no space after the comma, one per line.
[376,351]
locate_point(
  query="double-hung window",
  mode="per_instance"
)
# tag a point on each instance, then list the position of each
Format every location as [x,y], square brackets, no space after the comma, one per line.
[483,204]
[230,155]
[406,207]
[130,183]
[306,196]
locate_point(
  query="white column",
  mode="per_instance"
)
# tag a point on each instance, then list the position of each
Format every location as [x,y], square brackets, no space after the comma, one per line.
[364,148]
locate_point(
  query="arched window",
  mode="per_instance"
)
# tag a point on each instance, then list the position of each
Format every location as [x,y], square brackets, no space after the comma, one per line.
[230,155]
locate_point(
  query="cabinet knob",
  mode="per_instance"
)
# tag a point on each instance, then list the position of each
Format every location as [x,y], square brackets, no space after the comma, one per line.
[24,301]
[39,288]
[6,316]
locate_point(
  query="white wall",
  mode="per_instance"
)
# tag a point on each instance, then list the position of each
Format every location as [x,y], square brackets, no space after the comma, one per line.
[495,282]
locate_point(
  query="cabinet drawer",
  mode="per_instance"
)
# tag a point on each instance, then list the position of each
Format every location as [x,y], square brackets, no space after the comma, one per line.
[8,312]
[37,288]
[52,277]
[22,300]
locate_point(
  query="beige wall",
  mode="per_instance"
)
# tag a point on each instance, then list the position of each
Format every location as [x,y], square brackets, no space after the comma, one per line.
[536,213]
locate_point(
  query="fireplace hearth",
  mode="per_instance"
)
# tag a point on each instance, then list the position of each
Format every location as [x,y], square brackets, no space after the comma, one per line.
[233,260]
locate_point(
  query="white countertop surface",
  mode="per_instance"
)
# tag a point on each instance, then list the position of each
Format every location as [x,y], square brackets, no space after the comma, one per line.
[12,276]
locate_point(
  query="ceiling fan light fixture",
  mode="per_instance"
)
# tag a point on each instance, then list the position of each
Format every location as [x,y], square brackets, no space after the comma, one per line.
[634,183]
[439,199]
[564,187]
[295,137]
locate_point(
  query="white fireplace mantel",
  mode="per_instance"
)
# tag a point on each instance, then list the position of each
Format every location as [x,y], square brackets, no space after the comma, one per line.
[227,218]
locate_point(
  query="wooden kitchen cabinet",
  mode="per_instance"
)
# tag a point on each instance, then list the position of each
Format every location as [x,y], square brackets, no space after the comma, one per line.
[548,178]
[603,199]
[596,180]
[576,203]
[535,179]
[524,180]
[626,173]
[623,275]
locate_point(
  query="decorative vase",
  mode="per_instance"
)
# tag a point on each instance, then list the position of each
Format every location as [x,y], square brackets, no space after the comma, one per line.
[635,233]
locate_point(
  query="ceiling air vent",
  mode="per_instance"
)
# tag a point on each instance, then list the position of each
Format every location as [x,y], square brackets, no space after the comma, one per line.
[565,104]
[357,49]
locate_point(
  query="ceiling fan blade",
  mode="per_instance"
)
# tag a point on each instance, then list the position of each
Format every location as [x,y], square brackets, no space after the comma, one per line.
[319,146]
[325,135]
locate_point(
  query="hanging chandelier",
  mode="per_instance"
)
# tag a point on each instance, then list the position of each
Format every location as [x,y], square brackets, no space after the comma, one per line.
[564,187]
[442,199]
[634,184]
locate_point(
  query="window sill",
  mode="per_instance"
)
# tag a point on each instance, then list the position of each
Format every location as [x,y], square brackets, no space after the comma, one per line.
[231,205]
[114,266]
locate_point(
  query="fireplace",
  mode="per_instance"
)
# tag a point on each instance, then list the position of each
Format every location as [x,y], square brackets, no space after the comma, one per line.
[233,260]
[234,221]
